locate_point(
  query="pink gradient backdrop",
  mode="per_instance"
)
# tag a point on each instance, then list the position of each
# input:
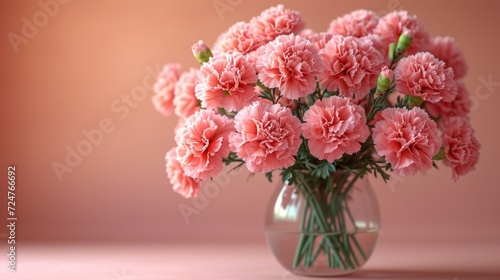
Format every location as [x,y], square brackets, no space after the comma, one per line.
[68,76]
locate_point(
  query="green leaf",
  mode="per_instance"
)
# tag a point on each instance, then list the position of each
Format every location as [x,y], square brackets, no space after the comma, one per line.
[269,176]
[262,86]
[434,165]
[327,93]
[232,157]
[440,155]
[324,169]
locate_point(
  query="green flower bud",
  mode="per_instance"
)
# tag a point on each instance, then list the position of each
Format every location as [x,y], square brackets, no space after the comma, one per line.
[392,52]
[384,80]
[201,52]
[404,43]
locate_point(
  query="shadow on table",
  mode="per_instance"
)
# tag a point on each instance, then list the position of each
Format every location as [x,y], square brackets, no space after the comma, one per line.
[409,274]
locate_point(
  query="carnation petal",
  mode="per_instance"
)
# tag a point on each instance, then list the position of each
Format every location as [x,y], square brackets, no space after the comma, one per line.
[334,126]
[202,142]
[408,139]
[267,137]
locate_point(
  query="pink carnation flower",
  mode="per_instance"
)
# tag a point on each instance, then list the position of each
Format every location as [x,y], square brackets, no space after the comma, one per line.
[164,88]
[334,126]
[306,33]
[202,143]
[408,139]
[181,183]
[267,137]
[226,81]
[290,63]
[460,106]
[185,101]
[352,66]
[276,21]
[252,57]
[460,145]
[423,75]
[447,50]
[238,38]
[394,24]
[378,44]
[358,23]
[319,39]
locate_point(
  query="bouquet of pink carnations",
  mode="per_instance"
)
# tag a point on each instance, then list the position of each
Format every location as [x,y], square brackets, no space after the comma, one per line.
[371,95]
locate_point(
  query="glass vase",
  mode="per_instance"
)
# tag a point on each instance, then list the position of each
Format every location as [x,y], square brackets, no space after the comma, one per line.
[323,227]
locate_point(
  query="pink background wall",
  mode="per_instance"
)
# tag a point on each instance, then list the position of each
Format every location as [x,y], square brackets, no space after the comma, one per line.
[75,70]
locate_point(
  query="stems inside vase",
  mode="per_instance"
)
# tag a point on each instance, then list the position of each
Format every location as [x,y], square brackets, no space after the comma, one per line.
[327,224]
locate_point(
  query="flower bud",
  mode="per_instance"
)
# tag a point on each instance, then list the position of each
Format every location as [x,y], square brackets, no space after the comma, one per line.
[384,80]
[201,52]
[392,52]
[404,43]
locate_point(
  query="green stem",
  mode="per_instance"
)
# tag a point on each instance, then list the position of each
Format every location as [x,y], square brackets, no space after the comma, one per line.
[308,251]
[325,229]
[338,245]
[349,187]
[349,214]
[298,252]
[360,250]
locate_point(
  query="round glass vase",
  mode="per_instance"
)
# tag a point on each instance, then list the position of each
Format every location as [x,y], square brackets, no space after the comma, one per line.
[323,227]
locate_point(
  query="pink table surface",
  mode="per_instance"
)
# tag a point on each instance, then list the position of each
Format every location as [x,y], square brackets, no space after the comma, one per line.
[444,261]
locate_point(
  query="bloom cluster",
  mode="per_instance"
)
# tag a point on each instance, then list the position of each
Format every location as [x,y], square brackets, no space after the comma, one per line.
[371,94]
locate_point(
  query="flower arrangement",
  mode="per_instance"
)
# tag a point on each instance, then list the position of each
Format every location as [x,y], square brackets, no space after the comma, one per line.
[372,95]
